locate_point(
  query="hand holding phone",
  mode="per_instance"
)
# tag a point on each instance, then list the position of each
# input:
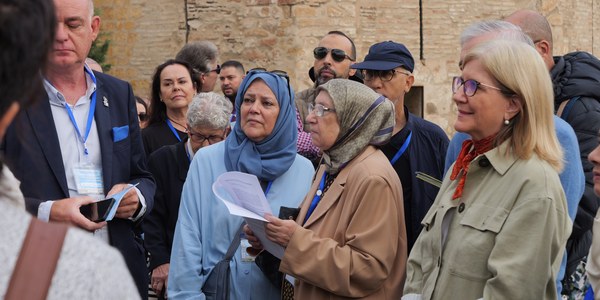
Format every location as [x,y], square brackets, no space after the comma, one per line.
[98,211]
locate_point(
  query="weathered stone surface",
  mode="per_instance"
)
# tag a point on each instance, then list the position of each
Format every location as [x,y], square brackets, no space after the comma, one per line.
[280,34]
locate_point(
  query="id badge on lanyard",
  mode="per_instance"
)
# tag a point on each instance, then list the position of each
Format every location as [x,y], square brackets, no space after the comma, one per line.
[88,177]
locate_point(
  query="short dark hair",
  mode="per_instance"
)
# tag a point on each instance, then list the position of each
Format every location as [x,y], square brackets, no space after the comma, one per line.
[26,36]
[337,32]
[233,63]
[157,112]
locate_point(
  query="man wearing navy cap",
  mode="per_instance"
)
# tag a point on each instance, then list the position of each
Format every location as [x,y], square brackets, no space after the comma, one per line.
[417,145]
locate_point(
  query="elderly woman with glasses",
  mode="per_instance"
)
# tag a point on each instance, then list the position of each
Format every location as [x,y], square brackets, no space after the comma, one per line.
[498,227]
[262,143]
[349,240]
[207,123]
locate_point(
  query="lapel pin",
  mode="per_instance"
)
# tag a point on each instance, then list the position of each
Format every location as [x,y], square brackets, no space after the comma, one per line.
[105,101]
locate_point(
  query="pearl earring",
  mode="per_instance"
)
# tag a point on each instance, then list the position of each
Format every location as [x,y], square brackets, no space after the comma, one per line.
[506,122]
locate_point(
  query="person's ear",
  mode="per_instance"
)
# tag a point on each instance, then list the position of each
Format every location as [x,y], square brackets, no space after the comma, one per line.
[351,72]
[95,27]
[513,108]
[410,80]
[543,48]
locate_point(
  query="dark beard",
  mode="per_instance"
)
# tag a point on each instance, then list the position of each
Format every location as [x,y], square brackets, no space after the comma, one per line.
[321,80]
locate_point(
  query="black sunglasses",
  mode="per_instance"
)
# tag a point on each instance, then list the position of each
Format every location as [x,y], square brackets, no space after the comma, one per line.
[217,69]
[337,54]
[279,73]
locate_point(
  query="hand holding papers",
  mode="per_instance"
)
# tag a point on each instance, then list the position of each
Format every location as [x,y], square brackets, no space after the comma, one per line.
[118,197]
[244,197]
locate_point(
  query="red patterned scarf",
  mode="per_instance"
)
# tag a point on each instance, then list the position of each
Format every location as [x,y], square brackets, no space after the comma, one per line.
[467,154]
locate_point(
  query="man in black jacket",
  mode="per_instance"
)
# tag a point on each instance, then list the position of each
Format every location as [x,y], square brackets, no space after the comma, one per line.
[576,81]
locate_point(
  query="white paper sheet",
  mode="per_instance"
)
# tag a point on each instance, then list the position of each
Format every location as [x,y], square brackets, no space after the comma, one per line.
[244,197]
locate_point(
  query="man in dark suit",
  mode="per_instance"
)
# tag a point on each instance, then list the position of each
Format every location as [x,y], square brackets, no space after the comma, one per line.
[82,142]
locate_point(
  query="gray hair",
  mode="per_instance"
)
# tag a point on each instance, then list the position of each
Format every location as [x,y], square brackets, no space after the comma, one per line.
[91,8]
[500,29]
[210,111]
[199,55]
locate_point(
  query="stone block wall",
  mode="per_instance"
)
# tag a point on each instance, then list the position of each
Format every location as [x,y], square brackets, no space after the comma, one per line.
[280,34]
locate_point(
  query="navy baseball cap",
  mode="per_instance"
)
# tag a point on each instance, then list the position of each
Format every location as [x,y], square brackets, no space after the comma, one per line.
[386,56]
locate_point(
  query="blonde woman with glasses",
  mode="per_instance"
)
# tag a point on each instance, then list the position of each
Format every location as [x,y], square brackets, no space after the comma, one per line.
[498,227]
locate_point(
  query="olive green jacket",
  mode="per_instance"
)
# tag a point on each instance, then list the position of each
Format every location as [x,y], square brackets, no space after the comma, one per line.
[504,238]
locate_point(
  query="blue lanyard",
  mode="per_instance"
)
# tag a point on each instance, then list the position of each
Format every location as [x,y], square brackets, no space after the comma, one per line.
[90,118]
[173,130]
[317,197]
[268,188]
[402,149]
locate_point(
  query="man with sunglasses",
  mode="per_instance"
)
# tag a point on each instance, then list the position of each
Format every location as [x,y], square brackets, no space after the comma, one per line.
[417,145]
[333,56]
[202,56]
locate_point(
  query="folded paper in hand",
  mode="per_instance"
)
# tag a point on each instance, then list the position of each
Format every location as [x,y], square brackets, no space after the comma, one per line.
[118,197]
[244,197]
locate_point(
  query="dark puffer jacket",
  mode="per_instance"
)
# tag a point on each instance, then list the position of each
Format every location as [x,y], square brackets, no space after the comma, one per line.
[577,74]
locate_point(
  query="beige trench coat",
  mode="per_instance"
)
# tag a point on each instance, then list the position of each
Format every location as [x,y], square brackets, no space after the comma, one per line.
[354,243]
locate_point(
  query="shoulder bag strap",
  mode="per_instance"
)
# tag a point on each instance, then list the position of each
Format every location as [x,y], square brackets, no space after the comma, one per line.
[37,261]
[234,244]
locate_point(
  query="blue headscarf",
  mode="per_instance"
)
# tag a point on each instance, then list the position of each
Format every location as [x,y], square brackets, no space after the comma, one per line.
[275,154]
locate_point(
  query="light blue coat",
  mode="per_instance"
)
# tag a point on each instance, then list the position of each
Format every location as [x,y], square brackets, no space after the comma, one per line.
[205,228]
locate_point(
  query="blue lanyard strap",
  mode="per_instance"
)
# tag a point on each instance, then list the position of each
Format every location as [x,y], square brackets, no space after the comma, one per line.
[268,187]
[316,198]
[90,118]
[402,149]
[173,130]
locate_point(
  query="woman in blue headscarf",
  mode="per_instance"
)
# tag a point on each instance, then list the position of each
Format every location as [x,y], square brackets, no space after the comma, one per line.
[263,143]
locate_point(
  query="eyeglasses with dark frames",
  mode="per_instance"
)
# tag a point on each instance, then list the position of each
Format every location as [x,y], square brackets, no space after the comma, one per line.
[470,86]
[337,54]
[387,75]
[319,109]
[200,138]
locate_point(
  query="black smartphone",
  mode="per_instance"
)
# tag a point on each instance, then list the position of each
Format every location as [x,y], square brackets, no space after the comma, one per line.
[97,211]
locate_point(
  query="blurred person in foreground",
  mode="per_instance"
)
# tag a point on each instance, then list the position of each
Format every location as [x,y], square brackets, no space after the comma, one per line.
[498,227]
[262,143]
[593,262]
[349,240]
[87,268]
[208,123]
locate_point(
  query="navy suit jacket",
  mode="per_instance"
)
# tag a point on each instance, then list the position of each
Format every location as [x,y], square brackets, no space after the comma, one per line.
[32,151]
